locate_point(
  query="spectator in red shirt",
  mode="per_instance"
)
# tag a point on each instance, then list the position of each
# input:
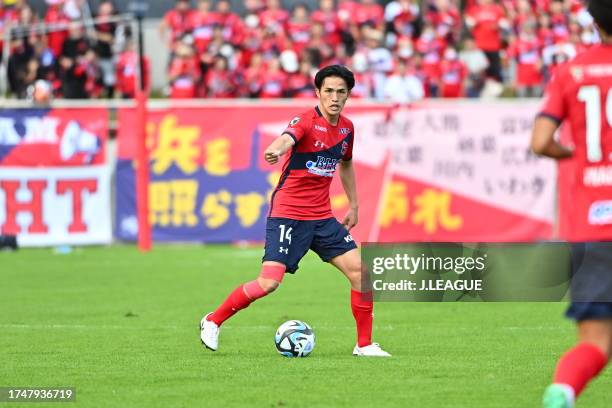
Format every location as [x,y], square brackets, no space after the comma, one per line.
[525,50]
[253,76]
[405,21]
[327,17]
[486,19]
[274,80]
[558,19]
[445,18]
[453,75]
[318,51]
[300,83]
[371,13]
[274,17]
[55,18]
[127,72]
[298,27]
[431,48]
[202,24]
[8,15]
[231,24]
[346,12]
[177,20]
[545,33]
[184,73]
[219,80]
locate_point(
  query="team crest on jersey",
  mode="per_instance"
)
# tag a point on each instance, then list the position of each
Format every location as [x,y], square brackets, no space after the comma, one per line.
[577,73]
[294,121]
[345,131]
[344,148]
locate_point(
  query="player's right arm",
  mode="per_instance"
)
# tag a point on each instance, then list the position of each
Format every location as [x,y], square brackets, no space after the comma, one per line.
[552,114]
[278,147]
[543,141]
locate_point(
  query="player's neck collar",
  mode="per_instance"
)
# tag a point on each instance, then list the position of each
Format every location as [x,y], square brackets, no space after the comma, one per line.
[323,116]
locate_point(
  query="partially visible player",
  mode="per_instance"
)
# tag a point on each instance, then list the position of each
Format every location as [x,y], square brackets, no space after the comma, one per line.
[319,141]
[580,95]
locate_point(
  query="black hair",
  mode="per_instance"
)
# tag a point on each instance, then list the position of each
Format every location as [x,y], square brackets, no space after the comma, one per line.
[601,10]
[337,71]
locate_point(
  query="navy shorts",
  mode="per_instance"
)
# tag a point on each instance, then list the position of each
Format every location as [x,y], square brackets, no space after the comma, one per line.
[287,240]
[591,284]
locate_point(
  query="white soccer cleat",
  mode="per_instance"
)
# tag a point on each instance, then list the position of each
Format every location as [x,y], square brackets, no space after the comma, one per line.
[373,350]
[209,333]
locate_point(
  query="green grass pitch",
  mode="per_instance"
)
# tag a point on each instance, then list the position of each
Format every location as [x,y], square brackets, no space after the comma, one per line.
[122,327]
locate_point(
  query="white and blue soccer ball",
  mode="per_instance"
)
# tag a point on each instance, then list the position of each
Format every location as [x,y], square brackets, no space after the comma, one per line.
[294,339]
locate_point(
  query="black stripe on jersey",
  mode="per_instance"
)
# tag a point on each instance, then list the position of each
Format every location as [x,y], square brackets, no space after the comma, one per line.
[318,111]
[554,118]
[299,159]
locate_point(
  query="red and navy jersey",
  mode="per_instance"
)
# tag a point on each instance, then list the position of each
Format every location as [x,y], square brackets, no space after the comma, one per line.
[302,192]
[580,93]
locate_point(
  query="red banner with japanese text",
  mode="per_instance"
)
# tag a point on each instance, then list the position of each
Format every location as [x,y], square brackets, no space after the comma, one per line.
[432,172]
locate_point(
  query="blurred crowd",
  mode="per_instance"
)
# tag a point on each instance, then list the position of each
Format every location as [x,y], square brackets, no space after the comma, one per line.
[59,55]
[403,50]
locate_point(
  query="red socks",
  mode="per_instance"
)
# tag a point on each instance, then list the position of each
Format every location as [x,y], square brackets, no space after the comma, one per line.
[362,306]
[579,366]
[237,300]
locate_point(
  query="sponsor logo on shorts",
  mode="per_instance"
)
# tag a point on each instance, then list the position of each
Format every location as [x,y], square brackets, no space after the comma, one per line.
[348,238]
[600,213]
[324,166]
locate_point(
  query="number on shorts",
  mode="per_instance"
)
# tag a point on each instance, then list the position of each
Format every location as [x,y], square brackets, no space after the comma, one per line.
[285,234]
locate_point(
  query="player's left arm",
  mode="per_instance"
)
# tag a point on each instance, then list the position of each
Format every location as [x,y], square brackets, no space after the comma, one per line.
[543,141]
[347,176]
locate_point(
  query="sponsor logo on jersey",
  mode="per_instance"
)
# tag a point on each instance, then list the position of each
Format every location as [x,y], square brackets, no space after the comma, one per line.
[344,148]
[324,166]
[319,143]
[320,128]
[345,131]
[600,213]
[294,121]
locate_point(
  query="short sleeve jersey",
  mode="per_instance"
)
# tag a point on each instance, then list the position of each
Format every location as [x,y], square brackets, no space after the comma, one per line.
[580,94]
[302,192]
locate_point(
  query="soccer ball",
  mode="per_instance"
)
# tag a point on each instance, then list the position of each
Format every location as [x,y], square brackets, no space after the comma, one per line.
[294,339]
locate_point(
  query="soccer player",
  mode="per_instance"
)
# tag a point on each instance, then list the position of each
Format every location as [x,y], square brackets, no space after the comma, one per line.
[580,94]
[318,141]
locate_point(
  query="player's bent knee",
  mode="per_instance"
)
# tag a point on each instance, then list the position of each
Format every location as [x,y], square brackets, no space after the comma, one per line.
[268,285]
